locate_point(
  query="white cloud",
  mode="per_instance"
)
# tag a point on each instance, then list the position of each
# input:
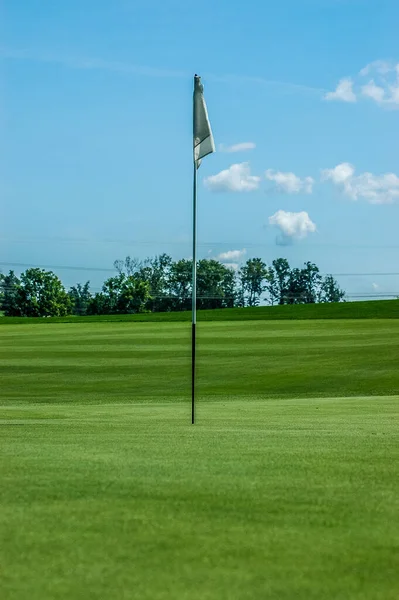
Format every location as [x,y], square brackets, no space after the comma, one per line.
[382,87]
[373,91]
[379,66]
[386,90]
[340,174]
[289,182]
[343,92]
[394,90]
[232,266]
[376,189]
[236,178]
[242,147]
[292,225]
[232,255]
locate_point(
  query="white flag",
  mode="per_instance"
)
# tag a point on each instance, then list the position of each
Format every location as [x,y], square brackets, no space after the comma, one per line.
[203,138]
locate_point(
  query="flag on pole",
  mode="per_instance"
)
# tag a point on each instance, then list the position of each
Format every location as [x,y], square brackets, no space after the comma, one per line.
[203,138]
[203,145]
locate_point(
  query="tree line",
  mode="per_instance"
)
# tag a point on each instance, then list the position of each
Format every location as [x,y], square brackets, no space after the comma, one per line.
[161,284]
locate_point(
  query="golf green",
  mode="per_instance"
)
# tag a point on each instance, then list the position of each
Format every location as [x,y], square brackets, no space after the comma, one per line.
[286,488]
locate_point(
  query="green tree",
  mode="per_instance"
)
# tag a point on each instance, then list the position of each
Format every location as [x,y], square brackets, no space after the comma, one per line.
[330,290]
[157,272]
[170,285]
[135,296]
[311,280]
[272,286]
[215,285]
[128,266]
[80,298]
[295,292]
[154,270]
[41,294]
[180,284]
[252,277]
[304,285]
[282,274]
[112,292]
[122,294]
[9,286]
[98,304]
[229,286]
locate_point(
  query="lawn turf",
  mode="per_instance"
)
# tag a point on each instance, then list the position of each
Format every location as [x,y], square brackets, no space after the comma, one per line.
[286,488]
[150,362]
[366,309]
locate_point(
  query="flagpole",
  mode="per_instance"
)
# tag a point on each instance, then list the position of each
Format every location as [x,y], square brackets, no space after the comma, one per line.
[194,295]
[203,145]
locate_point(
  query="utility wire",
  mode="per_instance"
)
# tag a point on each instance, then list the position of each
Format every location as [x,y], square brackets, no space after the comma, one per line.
[187,297]
[133,242]
[109,270]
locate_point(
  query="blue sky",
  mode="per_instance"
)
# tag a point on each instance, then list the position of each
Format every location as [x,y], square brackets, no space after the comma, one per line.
[95,122]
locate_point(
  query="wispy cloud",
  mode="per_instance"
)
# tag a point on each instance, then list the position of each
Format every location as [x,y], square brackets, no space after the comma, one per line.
[79,62]
[76,62]
[263,81]
[373,91]
[343,92]
[383,87]
[375,189]
[377,81]
[289,182]
[379,66]
[242,147]
[292,226]
[232,266]
[236,178]
[232,255]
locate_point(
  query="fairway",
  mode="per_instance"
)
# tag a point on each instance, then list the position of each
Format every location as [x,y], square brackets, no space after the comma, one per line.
[150,362]
[286,488]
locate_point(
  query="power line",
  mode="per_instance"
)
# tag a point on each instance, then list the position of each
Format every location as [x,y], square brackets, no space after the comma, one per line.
[133,242]
[109,270]
[58,267]
[364,274]
[10,288]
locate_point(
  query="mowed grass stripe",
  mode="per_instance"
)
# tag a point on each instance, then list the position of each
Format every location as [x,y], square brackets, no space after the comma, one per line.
[287,487]
[371,309]
[281,499]
[129,362]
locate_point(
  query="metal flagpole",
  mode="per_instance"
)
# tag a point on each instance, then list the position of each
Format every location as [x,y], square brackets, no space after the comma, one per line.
[203,145]
[194,293]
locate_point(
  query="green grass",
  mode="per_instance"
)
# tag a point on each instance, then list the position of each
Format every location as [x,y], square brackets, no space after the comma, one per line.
[287,487]
[124,362]
[373,309]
